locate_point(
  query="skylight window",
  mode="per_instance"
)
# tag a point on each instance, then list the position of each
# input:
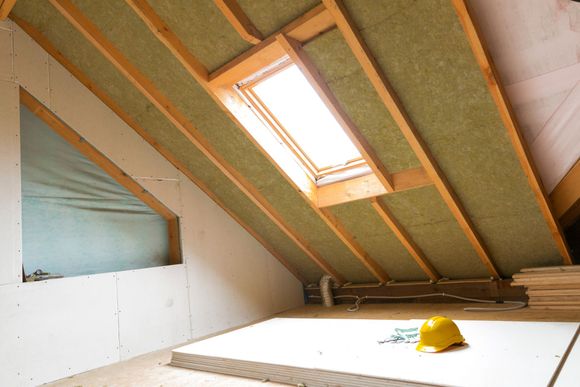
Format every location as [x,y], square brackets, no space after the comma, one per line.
[294,111]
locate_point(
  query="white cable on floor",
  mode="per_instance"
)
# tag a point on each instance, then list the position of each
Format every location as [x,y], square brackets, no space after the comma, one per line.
[360,300]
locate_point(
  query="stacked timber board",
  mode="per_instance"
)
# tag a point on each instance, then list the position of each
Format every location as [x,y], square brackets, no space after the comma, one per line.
[556,288]
[346,352]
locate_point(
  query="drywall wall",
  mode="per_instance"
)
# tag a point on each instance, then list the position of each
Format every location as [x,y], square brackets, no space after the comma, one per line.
[10,205]
[219,285]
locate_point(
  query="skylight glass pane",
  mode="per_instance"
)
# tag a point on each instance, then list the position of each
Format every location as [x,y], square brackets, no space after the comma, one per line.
[295,104]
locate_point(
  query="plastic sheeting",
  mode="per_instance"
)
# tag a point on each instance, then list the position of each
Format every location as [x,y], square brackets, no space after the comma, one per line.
[76,219]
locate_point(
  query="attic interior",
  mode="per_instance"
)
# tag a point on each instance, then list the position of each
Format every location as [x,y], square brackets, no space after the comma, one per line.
[290,192]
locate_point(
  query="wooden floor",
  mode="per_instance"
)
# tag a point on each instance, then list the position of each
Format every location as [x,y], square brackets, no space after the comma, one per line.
[152,369]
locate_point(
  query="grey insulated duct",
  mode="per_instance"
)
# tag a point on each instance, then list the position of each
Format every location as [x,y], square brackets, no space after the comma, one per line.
[326,290]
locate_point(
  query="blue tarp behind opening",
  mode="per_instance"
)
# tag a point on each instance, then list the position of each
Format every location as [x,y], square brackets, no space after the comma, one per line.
[75,218]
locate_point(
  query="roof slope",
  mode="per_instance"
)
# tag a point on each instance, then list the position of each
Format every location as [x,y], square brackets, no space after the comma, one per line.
[422,49]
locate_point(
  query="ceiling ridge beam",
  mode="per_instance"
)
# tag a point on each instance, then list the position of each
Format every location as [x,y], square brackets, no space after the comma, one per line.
[174,44]
[498,94]
[239,20]
[397,111]
[109,167]
[405,239]
[294,50]
[43,42]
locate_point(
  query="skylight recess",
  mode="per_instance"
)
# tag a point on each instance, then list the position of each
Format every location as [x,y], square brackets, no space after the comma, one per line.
[303,121]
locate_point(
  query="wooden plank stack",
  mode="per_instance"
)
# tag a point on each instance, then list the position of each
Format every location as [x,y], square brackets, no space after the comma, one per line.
[552,288]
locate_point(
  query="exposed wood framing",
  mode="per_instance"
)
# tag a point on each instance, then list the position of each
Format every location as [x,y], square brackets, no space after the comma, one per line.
[239,20]
[5,8]
[90,152]
[369,186]
[294,50]
[176,46]
[397,111]
[565,197]
[108,101]
[405,239]
[174,241]
[509,119]
[162,103]
[305,28]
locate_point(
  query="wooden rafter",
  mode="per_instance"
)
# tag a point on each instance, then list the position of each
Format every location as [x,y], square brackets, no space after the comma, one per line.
[397,111]
[239,20]
[146,87]
[509,120]
[405,239]
[93,154]
[294,50]
[166,36]
[5,8]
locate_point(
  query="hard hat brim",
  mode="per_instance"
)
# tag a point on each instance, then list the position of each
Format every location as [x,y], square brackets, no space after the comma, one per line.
[438,348]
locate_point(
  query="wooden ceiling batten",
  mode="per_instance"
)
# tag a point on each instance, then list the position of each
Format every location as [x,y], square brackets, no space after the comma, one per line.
[405,239]
[509,119]
[294,50]
[111,104]
[239,20]
[162,103]
[221,97]
[5,8]
[368,186]
[397,111]
[93,154]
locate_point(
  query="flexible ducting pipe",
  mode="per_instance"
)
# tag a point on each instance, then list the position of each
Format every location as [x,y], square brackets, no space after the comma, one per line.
[326,290]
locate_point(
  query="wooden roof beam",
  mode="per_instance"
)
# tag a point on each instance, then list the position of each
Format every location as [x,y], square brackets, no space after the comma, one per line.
[397,111]
[162,103]
[5,8]
[509,120]
[405,239]
[239,20]
[167,37]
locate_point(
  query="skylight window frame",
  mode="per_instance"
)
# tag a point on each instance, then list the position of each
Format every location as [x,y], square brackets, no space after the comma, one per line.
[244,88]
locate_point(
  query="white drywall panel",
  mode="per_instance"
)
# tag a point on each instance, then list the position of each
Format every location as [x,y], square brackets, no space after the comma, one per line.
[238,279]
[153,309]
[92,119]
[570,373]
[10,194]
[166,190]
[31,66]
[53,329]
[6,54]
[498,353]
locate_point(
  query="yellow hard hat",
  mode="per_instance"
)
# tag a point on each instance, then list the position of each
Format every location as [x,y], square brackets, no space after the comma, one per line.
[438,333]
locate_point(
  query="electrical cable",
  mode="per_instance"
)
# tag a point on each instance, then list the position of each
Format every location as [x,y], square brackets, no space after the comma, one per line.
[359,300]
